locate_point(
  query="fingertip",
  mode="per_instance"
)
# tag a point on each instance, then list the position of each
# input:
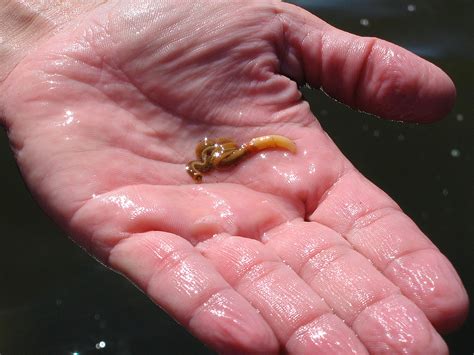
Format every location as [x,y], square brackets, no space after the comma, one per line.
[327,334]
[396,325]
[452,306]
[397,84]
[226,323]
[179,279]
[428,278]
[440,96]
[455,316]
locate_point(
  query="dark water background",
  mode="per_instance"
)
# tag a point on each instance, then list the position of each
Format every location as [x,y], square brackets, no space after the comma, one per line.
[54,299]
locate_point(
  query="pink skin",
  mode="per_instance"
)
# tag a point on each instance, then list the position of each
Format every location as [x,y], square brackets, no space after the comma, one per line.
[283,252]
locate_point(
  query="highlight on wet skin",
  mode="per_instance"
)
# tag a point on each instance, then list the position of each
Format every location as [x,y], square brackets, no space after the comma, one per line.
[223,152]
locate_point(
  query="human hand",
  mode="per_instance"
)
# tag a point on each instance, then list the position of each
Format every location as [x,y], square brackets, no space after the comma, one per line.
[104,115]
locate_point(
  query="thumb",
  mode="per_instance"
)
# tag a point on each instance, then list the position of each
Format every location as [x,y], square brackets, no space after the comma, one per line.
[365,73]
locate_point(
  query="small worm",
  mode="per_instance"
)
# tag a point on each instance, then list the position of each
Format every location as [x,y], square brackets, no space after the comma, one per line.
[222,152]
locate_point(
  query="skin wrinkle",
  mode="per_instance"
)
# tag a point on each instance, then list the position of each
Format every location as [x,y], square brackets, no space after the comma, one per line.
[209,306]
[253,273]
[377,219]
[361,75]
[42,22]
[90,243]
[204,304]
[325,329]
[267,274]
[369,217]
[171,261]
[408,319]
[111,97]
[174,263]
[128,230]
[372,302]
[382,270]
[219,54]
[398,258]
[305,323]
[289,22]
[325,39]
[218,332]
[277,302]
[366,303]
[171,111]
[317,253]
[327,252]
[168,111]
[367,306]
[344,171]
[316,81]
[385,269]
[355,221]
[287,53]
[19,23]
[394,81]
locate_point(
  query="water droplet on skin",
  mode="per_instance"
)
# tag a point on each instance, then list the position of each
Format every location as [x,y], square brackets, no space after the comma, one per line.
[364,22]
[455,153]
[411,7]
[68,119]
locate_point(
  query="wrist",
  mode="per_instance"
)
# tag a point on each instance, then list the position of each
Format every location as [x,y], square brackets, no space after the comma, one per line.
[26,23]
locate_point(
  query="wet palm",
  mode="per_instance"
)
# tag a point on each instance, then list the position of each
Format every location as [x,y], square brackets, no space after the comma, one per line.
[105,114]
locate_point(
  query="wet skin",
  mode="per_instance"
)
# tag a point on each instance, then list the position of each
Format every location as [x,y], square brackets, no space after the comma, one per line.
[286,253]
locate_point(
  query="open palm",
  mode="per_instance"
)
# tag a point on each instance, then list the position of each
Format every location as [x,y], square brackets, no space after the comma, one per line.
[294,252]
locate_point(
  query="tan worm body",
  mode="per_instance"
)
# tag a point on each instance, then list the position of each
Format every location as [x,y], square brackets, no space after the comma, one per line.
[223,152]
